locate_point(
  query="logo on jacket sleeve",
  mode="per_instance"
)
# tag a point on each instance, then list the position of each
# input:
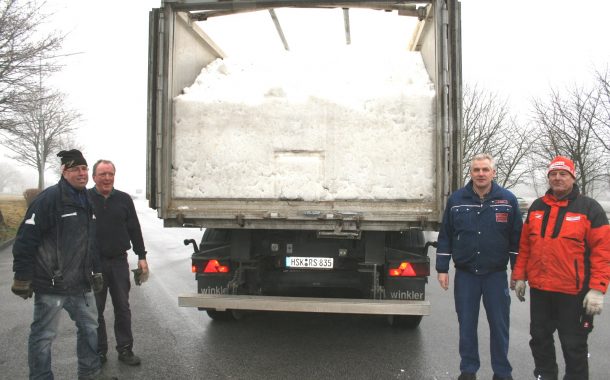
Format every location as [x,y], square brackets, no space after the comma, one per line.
[502,217]
[32,220]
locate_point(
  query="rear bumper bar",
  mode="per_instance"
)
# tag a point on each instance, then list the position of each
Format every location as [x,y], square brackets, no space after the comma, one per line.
[222,302]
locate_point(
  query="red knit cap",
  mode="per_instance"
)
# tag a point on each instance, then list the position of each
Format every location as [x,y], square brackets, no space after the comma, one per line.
[561,163]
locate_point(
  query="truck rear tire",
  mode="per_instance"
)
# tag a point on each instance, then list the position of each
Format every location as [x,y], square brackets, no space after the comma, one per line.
[408,322]
[223,316]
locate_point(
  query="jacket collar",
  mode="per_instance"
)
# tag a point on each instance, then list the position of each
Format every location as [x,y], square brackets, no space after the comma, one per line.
[78,196]
[94,189]
[551,200]
[494,191]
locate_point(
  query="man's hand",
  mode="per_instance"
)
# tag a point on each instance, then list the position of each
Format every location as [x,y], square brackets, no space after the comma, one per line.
[22,288]
[140,275]
[143,265]
[593,302]
[97,282]
[520,289]
[443,279]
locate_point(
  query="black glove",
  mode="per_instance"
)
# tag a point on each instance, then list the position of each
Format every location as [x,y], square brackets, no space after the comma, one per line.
[97,282]
[22,288]
[139,276]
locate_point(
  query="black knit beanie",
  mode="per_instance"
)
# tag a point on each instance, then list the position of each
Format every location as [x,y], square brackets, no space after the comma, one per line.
[71,158]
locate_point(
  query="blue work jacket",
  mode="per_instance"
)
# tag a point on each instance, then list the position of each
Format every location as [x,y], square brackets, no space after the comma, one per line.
[481,236]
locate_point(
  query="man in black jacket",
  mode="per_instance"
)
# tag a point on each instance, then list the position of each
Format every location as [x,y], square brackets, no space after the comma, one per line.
[118,229]
[56,259]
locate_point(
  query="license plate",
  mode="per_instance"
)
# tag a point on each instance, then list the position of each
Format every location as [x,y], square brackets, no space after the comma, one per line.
[309,262]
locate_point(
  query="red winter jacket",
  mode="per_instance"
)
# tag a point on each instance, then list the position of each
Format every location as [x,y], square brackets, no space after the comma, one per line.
[565,245]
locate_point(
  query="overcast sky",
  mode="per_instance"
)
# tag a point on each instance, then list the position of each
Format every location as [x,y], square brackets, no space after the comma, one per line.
[515,48]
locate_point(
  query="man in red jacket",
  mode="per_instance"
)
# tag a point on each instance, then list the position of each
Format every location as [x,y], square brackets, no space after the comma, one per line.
[564,254]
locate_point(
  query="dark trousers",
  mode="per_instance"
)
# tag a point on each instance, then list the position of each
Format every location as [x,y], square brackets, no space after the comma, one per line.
[118,284]
[469,288]
[550,311]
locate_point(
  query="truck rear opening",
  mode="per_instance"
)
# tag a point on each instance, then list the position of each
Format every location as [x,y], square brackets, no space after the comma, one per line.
[314,141]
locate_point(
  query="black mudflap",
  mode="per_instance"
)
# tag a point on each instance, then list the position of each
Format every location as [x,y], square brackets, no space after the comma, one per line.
[213,283]
[405,288]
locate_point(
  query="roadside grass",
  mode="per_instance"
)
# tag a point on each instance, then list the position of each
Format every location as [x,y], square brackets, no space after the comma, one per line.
[13,209]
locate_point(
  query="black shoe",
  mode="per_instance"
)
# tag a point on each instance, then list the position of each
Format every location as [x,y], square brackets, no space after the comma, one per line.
[496,377]
[467,376]
[540,376]
[103,358]
[97,376]
[128,357]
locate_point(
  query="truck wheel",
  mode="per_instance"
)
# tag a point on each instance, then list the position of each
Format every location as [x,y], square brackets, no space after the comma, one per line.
[221,315]
[405,321]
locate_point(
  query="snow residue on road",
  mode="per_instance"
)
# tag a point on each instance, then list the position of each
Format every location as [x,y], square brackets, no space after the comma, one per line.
[348,124]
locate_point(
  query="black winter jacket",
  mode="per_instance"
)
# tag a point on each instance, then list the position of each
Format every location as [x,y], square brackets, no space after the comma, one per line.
[55,244]
[117,225]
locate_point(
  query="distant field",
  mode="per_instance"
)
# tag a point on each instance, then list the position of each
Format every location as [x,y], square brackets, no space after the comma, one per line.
[13,209]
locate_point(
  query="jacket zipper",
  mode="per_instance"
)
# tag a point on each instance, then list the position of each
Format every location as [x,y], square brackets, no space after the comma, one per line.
[577,276]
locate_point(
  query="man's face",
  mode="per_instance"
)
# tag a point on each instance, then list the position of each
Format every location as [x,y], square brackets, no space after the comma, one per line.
[77,176]
[482,173]
[104,178]
[561,182]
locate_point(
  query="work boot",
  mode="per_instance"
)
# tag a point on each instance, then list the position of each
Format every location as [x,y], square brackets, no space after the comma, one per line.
[540,376]
[128,357]
[467,376]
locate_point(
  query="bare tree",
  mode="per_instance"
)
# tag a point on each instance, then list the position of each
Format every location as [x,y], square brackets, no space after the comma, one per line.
[10,178]
[41,127]
[489,128]
[603,134]
[25,52]
[566,125]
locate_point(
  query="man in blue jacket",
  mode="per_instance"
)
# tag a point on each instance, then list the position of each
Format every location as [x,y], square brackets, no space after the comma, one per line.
[55,258]
[480,231]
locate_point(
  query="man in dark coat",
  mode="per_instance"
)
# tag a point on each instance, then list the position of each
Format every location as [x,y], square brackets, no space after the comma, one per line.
[117,229]
[55,259]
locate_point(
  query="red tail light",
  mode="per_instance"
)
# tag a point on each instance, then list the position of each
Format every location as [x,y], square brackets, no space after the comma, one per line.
[213,266]
[407,269]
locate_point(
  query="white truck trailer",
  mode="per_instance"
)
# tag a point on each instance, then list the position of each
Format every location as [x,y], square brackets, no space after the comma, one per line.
[314,147]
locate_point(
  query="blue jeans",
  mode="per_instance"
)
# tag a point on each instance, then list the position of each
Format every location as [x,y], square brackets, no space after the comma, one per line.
[83,312]
[493,288]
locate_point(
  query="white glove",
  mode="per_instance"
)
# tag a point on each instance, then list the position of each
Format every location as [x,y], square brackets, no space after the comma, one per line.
[520,289]
[594,302]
